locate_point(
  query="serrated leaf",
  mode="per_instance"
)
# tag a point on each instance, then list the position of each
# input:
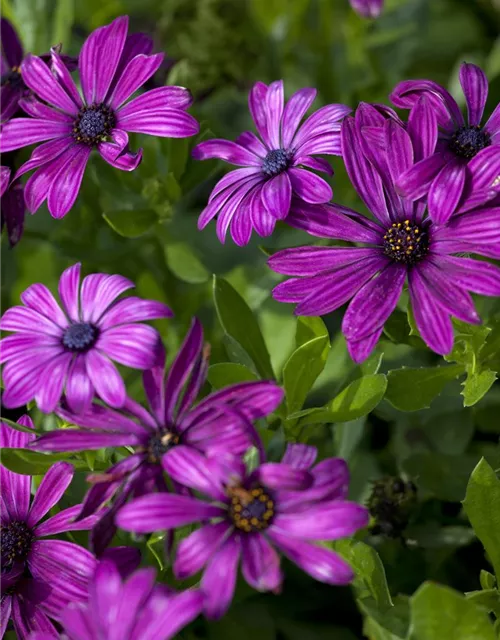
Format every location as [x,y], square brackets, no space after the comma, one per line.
[225,373]
[476,386]
[131,223]
[184,264]
[239,322]
[438,612]
[482,505]
[411,389]
[300,372]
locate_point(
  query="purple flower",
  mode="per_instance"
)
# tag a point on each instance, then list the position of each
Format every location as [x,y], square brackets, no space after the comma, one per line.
[221,422]
[246,516]
[368,8]
[128,610]
[463,150]
[12,206]
[71,350]
[39,577]
[259,194]
[13,87]
[112,68]
[402,244]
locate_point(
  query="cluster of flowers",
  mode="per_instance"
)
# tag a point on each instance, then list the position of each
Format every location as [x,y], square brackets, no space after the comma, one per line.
[432,184]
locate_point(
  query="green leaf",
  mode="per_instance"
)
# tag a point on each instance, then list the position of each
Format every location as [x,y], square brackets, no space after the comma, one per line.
[370,577]
[477,385]
[411,389]
[443,476]
[439,613]
[482,505]
[300,372]
[347,436]
[237,354]
[487,580]
[308,328]
[226,373]
[19,427]
[131,223]
[33,463]
[239,322]
[183,263]
[488,599]
[389,623]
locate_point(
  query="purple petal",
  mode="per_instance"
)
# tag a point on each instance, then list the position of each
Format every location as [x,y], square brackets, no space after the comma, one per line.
[320,563]
[320,122]
[122,160]
[374,303]
[133,345]
[79,390]
[359,350]
[479,226]
[328,143]
[473,275]
[136,73]
[314,163]
[51,385]
[415,182]
[189,467]
[62,74]
[69,283]
[98,292]
[134,309]
[277,475]
[229,199]
[133,596]
[308,261]
[16,488]
[309,186]
[257,107]
[45,153]
[446,191]
[231,206]
[482,175]
[156,512]
[22,381]
[295,110]
[99,59]
[422,128]
[12,48]
[432,320]
[260,564]
[249,140]
[331,482]
[64,521]
[196,550]
[231,179]
[64,189]
[50,491]
[274,106]
[13,210]
[38,77]
[399,149]
[167,123]
[40,299]
[157,100]
[323,521]
[241,224]
[226,150]
[106,419]
[219,579]
[105,378]
[277,195]
[262,220]
[37,109]
[16,347]
[27,618]
[75,440]
[4,179]
[475,87]
[492,126]
[179,611]
[300,456]
[22,132]
[9,102]
[368,8]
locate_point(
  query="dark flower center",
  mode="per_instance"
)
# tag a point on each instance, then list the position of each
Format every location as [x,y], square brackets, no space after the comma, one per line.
[80,336]
[250,510]
[160,444]
[16,543]
[94,124]
[276,162]
[406,242]
[12,77]
[466,142]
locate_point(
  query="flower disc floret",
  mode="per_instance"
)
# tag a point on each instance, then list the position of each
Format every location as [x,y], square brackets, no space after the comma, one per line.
[406,242]
[467,142]
[94,124]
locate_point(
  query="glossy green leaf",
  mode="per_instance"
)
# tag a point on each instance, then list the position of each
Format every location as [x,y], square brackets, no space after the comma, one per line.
[30,463]
[300,372]
[411,389]
[131,223]
[239,322]
[225,373]
[387,623]
[482,505]
[184,264]
[438,612]
[308,328]
[477,385]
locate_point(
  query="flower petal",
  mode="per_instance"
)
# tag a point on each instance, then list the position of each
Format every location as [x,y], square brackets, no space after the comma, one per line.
[136,73]
[277,196]
[79,390]
[472,275]
[359,350]
[446,191]
[133,309]
[44,154]
[105,378]
[66,184]
[257,107]
[295,110]
[323,521]
[62,74]
[40,299]
[167,123]
[158,99]
[52,384]
[415,182]
[80,440]
[22,132]
[219,579]
[226,150]
[166,617]
[422,128]
[98,292]
[475,87]
[12,48]
[69,284]
[64,521]
[309,186]
[38,77]
[260,564]
[133,345]
[196,550]
[277,475]
[190,468]
[50,490]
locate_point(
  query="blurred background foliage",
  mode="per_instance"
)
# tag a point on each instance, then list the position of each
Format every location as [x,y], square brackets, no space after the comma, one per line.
[143,225]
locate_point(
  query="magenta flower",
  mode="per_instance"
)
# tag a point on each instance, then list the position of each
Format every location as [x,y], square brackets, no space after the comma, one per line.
[247,516]
[134,608]
[39,577]
[402,244]
[12,206]
[112,68]
[260,194]
[463,150]
[368,8]
[71,350]
[221,422]
[13,87]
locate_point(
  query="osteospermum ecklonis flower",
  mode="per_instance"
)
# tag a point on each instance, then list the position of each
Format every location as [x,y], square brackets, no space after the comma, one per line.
[275,166]
[221,422]
[249,517]
[70,349]
[112,67]
[401,245]
[464,149]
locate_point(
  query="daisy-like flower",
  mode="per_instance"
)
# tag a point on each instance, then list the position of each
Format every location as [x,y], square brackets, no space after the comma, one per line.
[368,8]
[247,516]
[260,194]
[463,148]
[12,206]
[221,422]
[13,87]
[71,350]
[133,608]
[401,244]
[112,67]
[39,577]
